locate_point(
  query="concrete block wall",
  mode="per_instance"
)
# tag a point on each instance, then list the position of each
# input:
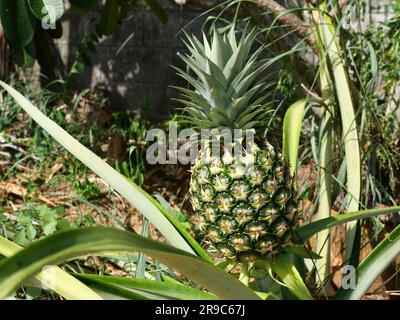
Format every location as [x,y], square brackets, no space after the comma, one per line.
[378,10]
[140,76]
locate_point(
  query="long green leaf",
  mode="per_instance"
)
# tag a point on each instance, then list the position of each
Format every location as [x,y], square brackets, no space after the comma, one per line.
[285,268]
[323,246]
[195,246]
[349,124]
[160,288]
[307,231]
[130,191]
[67,245]
[302,252]
[291,132]
[112,292]
[61,282]
[166,209]
[324,204]
[373,266]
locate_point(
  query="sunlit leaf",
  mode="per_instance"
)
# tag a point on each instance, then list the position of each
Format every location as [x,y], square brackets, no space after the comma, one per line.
[67,245]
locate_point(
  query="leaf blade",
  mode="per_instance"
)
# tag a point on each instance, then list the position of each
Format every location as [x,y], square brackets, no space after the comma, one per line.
[64,284]
[306,232]
[286,270]
[291,132]
[166,289]
[373,266]
[73,243]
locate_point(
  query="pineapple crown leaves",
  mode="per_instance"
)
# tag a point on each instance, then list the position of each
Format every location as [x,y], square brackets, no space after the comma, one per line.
[226,82]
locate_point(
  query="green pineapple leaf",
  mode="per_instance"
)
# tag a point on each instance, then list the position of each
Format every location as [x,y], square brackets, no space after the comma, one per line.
[284,267]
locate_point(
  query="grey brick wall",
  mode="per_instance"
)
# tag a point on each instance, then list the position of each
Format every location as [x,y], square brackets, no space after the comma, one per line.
[378,10]
[138,78]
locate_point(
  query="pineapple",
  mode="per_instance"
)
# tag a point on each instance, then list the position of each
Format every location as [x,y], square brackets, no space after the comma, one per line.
[246,205]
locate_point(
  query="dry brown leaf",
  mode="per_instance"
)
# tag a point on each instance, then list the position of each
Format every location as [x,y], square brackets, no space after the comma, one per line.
[13,188]
[55,168]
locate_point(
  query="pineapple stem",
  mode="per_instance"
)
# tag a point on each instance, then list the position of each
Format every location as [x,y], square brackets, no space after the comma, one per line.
[244,274]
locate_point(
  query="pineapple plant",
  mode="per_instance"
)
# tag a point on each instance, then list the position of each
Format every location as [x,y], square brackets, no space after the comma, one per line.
[245,201]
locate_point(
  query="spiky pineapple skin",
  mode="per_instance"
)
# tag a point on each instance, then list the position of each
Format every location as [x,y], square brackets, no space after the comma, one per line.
[246,212]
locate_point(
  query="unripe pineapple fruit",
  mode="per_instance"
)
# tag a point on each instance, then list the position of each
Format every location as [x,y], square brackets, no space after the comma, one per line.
[246,209]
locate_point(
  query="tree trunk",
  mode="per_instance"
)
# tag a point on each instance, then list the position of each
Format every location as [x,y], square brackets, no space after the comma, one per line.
[5,56]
